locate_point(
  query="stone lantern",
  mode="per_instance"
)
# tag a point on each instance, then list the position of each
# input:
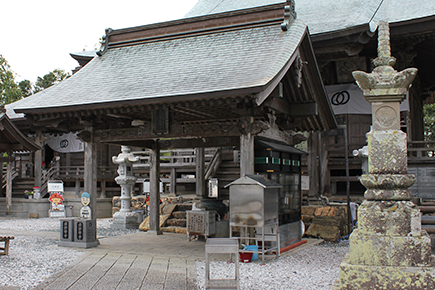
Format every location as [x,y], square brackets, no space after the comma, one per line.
[125,218]
[388,250]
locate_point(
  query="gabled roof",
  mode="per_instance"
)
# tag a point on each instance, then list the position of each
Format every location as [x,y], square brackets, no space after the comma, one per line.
[330,15]
[240,60]
[11,139]
[245,54]
[255,179]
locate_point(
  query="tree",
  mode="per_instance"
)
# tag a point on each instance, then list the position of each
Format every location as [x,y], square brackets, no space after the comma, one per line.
[50,79]
[9,90]
[26,88]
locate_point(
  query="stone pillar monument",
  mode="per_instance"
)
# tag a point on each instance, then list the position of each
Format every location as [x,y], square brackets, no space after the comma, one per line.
[389,250]
[125,218]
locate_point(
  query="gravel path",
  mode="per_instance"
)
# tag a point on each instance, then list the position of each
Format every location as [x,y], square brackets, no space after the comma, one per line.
[313,268]
[34,256]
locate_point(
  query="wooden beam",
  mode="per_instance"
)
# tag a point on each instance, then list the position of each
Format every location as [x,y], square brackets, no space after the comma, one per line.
[293,110]
[10,147]
[199,142]
[308,109]
[176,130]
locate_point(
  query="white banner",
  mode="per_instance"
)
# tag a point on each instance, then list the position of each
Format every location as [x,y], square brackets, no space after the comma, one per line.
[349,99]
[64,143]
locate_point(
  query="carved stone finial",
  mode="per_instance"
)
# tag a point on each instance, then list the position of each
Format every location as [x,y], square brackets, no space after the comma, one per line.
[289,15]
[384,50]
[385,83]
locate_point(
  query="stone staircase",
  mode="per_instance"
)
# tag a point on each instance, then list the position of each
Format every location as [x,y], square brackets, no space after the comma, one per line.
[177,221]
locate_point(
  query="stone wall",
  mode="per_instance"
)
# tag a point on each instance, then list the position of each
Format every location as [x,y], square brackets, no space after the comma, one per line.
[138,202]
[325,222]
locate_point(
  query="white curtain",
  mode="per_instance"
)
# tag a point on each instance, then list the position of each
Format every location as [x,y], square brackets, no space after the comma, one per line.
[64,143]
[349,99]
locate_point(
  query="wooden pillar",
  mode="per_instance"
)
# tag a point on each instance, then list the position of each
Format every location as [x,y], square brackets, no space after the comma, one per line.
[173,185]
[199,174]
[77,187]
[246,154]
[9,184]
[90,174]
[1,178]
[103,189]
[313,164]
[154,190]
[38,160]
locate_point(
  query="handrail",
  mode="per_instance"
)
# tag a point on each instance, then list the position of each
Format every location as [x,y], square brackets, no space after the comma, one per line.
[46,176]
[15,173]
[214,164]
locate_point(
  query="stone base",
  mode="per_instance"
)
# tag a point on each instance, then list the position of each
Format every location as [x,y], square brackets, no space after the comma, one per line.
[125,220]
[384,250]
[85,245]
[357,277]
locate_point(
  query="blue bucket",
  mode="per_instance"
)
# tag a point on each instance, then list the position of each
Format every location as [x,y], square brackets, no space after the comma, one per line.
[252,248]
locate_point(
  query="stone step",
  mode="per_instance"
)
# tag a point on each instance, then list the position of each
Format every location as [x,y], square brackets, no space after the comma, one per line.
[184,206]
[430,229]
[428,220]
[179,214]
[175,222]
[427,208]
[14,213]
[178,230]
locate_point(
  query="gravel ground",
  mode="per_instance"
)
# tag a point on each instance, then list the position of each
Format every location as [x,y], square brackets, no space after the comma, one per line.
[32,259]
[313,268]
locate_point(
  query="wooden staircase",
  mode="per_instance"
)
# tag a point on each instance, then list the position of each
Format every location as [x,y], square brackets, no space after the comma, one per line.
[228,171]
[19,185]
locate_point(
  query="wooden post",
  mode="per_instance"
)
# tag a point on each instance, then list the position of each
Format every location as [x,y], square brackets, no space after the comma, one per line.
[90,174]
[313,164]
[154,190]
[173,185]
[1,178]
[246,154]
[199,173]
[38,160]
[9,185]
[77,187]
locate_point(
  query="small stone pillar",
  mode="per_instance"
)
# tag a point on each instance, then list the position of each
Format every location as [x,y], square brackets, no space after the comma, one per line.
[389,250]
[125,218]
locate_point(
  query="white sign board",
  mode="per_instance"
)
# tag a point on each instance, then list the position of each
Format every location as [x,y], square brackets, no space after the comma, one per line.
[55,186]
[305,182]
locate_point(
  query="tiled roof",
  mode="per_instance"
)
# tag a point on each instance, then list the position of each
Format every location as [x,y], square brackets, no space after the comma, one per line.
[330,15]
[11,139]
[216,62]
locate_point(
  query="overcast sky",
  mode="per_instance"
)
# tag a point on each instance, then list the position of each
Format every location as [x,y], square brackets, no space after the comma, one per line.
[36,36]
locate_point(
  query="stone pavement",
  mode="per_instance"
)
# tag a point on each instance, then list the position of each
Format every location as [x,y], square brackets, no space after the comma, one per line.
[136,261]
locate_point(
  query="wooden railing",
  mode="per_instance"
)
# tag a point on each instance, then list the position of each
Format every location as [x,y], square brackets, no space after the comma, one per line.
[15,173]
[423,151]
[173,158]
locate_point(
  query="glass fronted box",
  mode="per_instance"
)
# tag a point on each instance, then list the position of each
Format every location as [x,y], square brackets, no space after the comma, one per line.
[282,164]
